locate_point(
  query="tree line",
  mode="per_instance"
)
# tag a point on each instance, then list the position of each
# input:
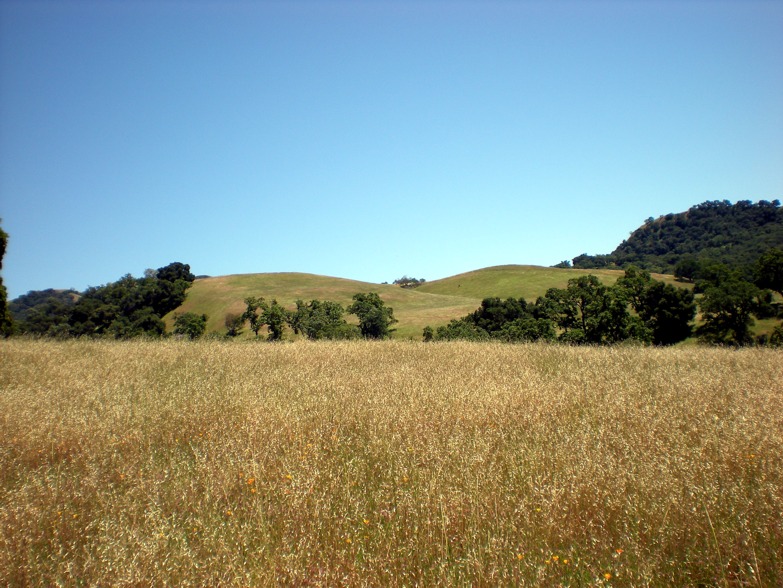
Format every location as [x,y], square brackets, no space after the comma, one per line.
[637,308]
[317,319]
[129,307]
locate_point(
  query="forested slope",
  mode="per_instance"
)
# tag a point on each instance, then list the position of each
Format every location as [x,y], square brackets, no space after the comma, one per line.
[719,231]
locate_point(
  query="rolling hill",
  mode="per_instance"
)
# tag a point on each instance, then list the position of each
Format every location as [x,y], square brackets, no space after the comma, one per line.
[433,303]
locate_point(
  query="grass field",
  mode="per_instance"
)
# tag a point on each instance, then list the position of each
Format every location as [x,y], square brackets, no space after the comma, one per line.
[434,303]
[388,464]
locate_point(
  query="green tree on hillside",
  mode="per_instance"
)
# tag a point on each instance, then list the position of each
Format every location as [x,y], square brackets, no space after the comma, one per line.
[727,309]
[375,318]
[463,329]
[666,311]
[254,312]
[259,313]
[321,319]
[233,323]
[275,317]
[587,311]
[190,324]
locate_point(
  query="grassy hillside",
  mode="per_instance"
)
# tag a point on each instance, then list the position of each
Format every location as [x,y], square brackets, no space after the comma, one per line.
[434,303]
[526,281]
[218,296]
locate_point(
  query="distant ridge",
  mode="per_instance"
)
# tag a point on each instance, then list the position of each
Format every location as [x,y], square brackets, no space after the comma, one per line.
[734,234]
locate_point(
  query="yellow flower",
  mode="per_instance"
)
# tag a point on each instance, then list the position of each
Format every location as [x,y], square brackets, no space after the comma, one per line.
[251,481]
[607,576]
[366,521]
[520,556]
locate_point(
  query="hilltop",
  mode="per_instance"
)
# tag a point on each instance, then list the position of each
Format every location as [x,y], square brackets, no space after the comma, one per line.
[733,234]
[433,303]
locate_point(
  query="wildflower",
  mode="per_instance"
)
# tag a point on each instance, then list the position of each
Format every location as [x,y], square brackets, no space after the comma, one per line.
[251,481]
[348,540]
[607,576]
[555,558]
[520,556]
[229,513]
[618,551]
[366,521]
[289,477]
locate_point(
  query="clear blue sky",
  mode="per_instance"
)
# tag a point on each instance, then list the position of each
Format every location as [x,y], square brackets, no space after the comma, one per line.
[368,140]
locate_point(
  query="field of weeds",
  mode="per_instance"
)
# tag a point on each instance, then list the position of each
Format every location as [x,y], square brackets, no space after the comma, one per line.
[388,464]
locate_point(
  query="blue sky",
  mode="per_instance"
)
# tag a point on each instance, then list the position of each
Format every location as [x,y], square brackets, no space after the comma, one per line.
[368,140]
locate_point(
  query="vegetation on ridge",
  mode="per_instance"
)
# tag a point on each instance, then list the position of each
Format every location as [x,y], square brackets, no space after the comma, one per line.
[716,231]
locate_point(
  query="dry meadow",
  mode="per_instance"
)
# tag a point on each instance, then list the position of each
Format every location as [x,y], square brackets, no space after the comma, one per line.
[388,464]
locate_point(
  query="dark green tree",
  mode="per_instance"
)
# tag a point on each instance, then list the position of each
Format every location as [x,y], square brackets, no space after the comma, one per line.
[589,312]
[260,313]
[527,329]
[461,329]
[190,324]
[727,309]
[666,311]
[776,337]
[44,312]
[494,313]
[321,319]
[769,270]
[275,317]
[233,323]
[375,318]
[167,290]
[6,322]
[687,269]
[254,313]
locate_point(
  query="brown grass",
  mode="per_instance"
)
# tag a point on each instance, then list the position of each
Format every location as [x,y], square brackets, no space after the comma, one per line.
[390,463]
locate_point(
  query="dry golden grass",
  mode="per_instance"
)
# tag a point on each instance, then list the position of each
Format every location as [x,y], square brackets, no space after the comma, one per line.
[389,463]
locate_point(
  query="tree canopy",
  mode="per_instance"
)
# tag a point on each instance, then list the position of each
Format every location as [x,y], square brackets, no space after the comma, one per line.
[375,318]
